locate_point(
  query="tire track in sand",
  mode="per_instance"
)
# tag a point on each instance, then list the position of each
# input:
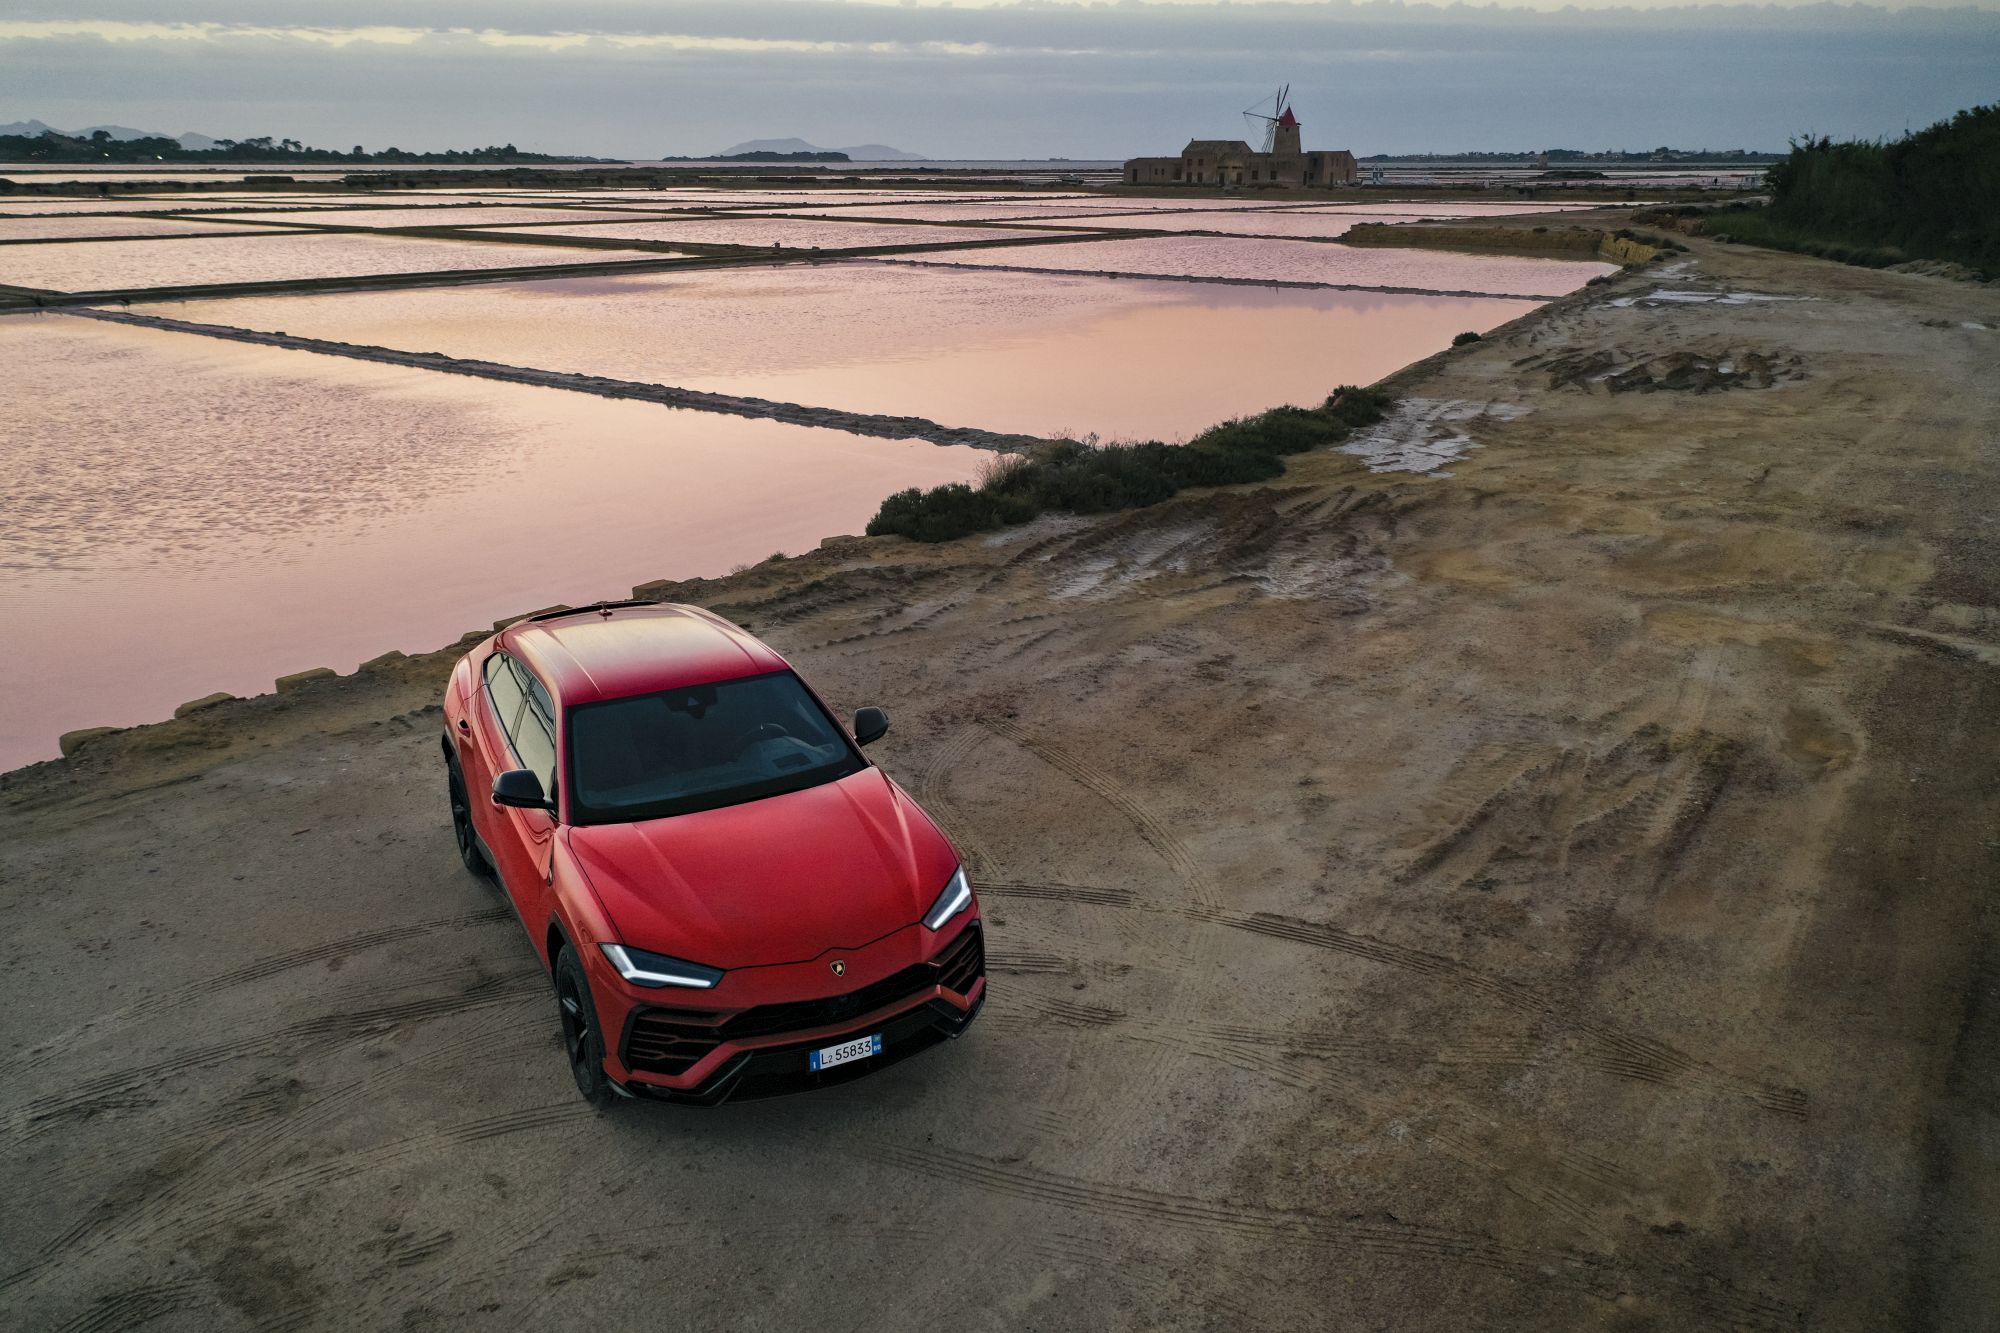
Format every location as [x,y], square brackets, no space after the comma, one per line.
[134,1306]
[934,782]
[1156,832]
[344,947]
[290,1189]
[234,1149]
[1159,1071]
[125,1086]
[1588,1274]
[1610,1047]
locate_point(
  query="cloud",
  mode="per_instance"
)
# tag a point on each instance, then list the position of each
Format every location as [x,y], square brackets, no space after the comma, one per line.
[615,78]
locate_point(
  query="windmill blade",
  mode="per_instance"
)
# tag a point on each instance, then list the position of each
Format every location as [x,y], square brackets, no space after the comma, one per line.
[1255,114]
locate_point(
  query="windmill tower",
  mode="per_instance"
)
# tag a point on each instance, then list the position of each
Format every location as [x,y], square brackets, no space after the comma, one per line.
[1276,129]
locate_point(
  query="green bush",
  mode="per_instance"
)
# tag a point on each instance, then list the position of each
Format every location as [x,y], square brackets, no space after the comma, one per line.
[1934,194]
[1069,476]
[1467,337]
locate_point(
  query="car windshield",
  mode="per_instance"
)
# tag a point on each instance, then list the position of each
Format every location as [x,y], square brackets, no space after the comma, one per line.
[700,747]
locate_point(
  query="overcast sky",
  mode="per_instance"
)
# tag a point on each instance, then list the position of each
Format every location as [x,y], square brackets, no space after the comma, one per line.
[990,79]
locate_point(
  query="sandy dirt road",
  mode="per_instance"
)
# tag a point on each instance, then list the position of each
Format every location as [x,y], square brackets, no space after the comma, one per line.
[1555,894]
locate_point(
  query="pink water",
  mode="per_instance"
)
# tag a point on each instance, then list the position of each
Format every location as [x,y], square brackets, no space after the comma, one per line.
[12,207]
[229,514]
[112,265]
[419,215]
[794,232]
[1451,210]
[1033,353]
[187,515]
[1262,222]
[1296,261]
[24,229]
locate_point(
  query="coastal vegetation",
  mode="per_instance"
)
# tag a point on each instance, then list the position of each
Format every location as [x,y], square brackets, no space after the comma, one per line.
[1078,477]
[1934,194]
[1622,157]
[101,147]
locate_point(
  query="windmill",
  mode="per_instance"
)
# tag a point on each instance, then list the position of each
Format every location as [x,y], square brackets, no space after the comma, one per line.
[1265,127]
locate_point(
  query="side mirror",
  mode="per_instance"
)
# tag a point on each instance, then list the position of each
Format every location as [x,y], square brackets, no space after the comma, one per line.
[869,724]
[520,788]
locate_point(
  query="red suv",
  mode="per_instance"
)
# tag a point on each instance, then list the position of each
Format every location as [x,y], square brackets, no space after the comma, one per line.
[732,901]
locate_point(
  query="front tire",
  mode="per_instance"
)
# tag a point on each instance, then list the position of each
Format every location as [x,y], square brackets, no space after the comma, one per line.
[461,823]
[583,1042]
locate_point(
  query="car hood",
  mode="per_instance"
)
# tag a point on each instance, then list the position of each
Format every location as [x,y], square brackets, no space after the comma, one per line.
[780,880]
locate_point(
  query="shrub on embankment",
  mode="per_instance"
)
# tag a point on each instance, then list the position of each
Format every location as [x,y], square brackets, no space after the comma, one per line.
[1934,194]
[1069,476]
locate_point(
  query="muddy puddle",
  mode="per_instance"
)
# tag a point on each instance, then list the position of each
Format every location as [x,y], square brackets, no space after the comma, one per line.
[229,514]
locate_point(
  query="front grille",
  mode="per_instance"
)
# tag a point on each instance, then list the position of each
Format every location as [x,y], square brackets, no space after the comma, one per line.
[963,964]
[672,1041]
[777,1070]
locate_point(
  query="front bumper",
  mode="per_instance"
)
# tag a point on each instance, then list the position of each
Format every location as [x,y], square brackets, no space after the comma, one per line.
[706,1058]
[777,1071]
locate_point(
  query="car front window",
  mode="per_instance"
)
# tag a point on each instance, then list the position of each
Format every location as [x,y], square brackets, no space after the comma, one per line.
[700,747]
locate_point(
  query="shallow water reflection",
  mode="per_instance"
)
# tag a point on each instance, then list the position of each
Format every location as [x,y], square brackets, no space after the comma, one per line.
[187,515]
[1039,354]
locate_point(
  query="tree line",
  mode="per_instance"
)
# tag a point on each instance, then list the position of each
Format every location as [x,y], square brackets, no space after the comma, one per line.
[101,147]
[1933,194]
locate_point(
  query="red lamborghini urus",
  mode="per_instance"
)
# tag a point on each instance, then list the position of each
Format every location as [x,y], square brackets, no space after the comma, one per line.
[731,900]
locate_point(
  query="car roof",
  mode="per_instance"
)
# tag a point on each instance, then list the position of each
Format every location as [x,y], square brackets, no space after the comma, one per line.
[610,652]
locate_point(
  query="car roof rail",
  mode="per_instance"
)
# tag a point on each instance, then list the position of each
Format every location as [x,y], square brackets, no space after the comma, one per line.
[595,607]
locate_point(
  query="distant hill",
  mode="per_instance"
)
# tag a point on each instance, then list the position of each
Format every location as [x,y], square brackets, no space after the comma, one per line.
[867,152]
[33,128]
[881,152]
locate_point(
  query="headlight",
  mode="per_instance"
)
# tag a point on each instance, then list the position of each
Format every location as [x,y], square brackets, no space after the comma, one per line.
[957,896]
[652,969]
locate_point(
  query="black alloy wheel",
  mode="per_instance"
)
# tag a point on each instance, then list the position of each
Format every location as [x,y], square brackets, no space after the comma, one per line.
[583,1044]
[461,824]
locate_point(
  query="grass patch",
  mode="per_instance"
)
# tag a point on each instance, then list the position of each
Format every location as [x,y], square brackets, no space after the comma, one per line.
[1467,337]
[1072,476]
[1647,238]
[1759,226]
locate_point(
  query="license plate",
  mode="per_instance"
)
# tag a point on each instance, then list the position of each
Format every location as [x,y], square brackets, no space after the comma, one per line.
[858,1049]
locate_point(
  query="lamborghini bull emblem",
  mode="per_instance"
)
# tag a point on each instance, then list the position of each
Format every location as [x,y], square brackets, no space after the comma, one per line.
[839,966]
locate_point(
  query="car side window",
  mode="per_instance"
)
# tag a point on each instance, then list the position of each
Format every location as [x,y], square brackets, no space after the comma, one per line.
[504,685]
[535,736]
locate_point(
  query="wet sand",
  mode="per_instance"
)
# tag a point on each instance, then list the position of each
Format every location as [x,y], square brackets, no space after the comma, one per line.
[1554,894]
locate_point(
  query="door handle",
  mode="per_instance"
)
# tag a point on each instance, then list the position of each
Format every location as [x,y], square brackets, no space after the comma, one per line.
[463,725]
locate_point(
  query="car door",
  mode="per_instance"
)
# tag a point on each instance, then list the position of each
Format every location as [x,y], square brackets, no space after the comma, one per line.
[534,831]
[518,839]
[484,750]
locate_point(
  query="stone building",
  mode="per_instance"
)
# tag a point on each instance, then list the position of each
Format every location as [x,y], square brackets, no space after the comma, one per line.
[1233,163]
